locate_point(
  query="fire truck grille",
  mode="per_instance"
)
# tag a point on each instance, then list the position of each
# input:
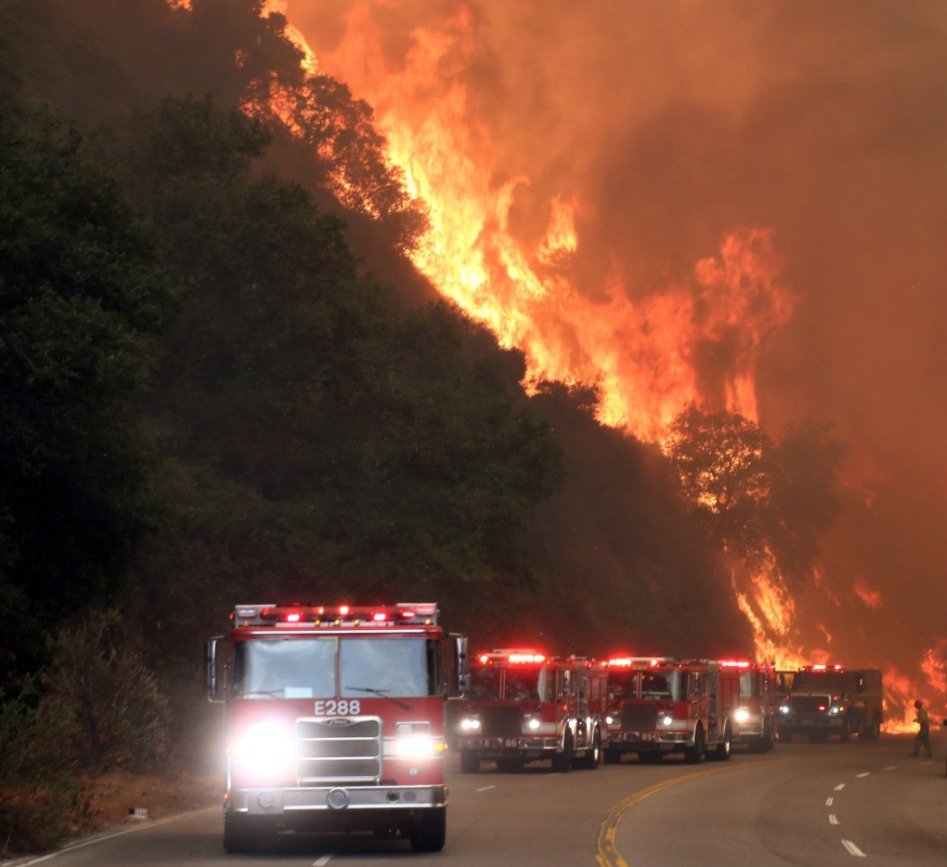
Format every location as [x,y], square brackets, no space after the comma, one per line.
[501,722]
[809,703]
[639,717]
[339,750]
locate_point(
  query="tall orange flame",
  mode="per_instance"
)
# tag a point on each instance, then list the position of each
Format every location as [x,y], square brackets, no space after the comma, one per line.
[642,354]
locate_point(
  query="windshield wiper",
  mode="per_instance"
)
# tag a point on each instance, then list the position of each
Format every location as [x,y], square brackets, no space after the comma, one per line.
[382,693]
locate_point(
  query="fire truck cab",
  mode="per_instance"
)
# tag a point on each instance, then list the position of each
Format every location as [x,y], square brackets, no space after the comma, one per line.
[335,720]
[754,718]
[833,700]
[524,706]
[661,705]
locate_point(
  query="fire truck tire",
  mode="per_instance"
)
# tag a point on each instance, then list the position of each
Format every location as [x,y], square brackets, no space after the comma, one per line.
[725,746]
[612,756]
[430,831]
[593,756]
[248,834]
[562,762]
[469,762]
[695,755]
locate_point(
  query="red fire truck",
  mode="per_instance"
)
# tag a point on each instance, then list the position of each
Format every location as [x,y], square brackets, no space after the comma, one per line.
[662,705]
[524,706]
[335,720]
[754,718]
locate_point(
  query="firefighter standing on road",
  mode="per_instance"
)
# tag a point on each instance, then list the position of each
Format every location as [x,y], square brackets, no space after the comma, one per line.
[923,737]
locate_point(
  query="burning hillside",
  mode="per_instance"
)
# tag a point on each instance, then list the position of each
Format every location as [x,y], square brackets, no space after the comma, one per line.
[629,197]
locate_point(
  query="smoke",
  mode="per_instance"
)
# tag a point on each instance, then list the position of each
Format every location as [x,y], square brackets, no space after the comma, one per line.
[672,124]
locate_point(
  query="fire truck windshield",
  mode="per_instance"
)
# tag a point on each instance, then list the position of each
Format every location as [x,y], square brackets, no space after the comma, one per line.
[831,681]
[526,683]
[624,685]
[306,667]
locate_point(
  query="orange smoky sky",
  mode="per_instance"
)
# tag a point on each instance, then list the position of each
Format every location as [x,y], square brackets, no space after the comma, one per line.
[667,126]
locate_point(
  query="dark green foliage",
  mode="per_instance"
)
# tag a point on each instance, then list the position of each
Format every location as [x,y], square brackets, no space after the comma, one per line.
[625,567]
[79,298]
[319,438]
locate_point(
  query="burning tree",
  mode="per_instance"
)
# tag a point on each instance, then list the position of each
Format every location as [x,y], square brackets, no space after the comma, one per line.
[757,496]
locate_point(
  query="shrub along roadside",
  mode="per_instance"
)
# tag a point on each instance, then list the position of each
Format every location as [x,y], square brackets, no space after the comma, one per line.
[96,709]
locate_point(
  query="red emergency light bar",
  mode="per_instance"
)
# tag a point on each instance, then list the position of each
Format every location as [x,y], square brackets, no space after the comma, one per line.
[735,663]
[821,666]
[519,656]
[272,614]
[631,661]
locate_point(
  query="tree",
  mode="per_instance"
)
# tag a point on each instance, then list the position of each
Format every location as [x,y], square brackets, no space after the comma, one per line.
[756,495]
[80,299]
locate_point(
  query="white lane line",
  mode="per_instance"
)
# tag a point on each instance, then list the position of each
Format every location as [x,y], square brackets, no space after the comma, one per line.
[484,788]
[829,802]
[863,774]
[321,862]
[103,837]
[852,849]
[832,819]
[890,768]
[839,787]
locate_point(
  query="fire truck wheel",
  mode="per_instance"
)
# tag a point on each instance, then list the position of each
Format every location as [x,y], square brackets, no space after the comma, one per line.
[594,754]
[695,755]
[430,831]
[469,762]
[562,762]
[612,756]
[248,834]
[722,753]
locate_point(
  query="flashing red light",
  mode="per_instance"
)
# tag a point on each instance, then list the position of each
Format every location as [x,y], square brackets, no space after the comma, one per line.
[735,663]
[344,610]
[293,617]
[621,662]
[525,658]
[484,658]
[379,616]
[407,614]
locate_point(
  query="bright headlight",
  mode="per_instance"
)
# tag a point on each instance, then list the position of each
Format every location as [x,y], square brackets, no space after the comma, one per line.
[837,709]
[742,715]
[533,724]
[784,708]
[418,746]
[610,720]
[667,719]
[470,724]
[265,748]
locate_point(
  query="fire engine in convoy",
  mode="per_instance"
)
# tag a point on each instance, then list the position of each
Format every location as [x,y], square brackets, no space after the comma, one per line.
[833,700]
[663,705]
[754,717]
[523,706]
[335,720]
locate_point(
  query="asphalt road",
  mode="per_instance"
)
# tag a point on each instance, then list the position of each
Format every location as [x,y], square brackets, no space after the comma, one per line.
[801,804]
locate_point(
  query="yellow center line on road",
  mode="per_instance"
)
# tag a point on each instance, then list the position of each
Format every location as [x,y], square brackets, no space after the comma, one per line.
[606,852]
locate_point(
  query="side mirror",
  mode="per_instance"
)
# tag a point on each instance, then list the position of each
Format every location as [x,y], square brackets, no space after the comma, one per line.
[214,682]
[459,682]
